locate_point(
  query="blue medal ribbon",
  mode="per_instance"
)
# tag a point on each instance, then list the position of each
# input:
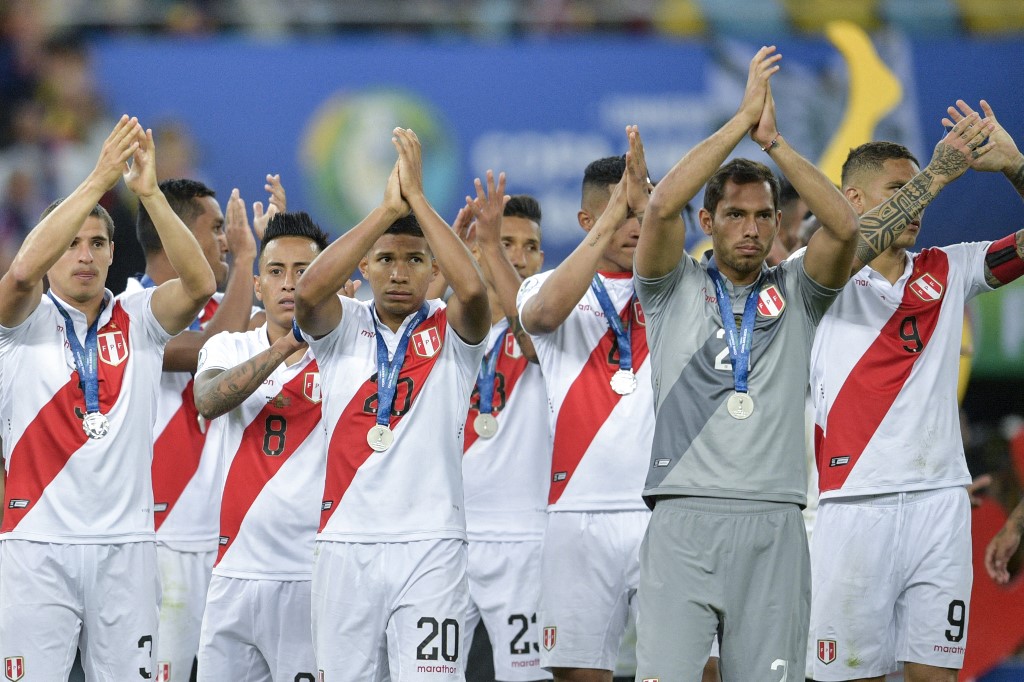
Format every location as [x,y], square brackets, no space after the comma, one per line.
[615,322]
[739,340]
[388,371]
[87,358]
[485,378]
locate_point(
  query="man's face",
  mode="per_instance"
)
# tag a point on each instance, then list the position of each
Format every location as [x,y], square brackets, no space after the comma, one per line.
[743,226]
[871,188]
[282,262]
[623,243]
[398,268]
[208,228]
[521,239]
[80,275]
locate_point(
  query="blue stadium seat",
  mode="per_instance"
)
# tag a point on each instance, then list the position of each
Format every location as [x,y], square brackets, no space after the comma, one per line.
[746,18]
[922,17]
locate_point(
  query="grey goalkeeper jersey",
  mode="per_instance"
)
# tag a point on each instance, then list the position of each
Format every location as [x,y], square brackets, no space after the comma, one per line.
[699,449]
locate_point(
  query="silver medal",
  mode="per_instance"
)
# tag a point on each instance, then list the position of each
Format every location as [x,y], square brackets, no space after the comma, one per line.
[623,382]
[740,405]
[380,437]
[485,425]
[95,425]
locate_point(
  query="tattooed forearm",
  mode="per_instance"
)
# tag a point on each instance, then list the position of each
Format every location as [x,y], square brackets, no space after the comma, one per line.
[523,339]
[948,161]
[230,388]
[880,227]
[1016,178]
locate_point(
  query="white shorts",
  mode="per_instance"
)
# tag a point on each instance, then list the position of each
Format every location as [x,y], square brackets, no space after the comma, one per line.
[184,580]
[590,569]
[56,598]
[257,631]
[411,596]
[891,577]
[504,588]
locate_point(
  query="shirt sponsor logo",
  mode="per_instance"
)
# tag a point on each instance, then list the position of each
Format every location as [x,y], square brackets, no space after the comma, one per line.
[112,347]
[327,504]
[160,507]
[945,649]
[223,540]
[927,288]
[14,668]
[770,302]
[839,461]
[426,343]
[826,650]
[559,476]
[550,636]
[662,462]
[18,504]
[311,387]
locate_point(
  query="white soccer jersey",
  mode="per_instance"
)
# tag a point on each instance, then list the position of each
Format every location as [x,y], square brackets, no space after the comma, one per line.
[602,441]
[412,490]
[63,487]
[506,476]
[884,375]
[271,449]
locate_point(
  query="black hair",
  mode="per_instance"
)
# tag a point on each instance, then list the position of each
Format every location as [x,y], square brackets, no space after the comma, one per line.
[603,172]
[294,225]
[181,195]
[740,172]
[872,156]
[523,206]
[407,225]
[96,212]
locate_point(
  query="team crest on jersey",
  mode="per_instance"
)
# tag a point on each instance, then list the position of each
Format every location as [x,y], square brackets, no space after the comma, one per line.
[112,347]
[826,650]
[550,633]
[638,314]
[311,387]
[426,343]
[770,302]
[927,288]
[163,671]
[14,668]
[512,348]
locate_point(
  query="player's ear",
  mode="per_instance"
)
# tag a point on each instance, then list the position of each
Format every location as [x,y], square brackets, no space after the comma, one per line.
[856,198]
[585,220]
[362,267]
[704,218]
[256,288]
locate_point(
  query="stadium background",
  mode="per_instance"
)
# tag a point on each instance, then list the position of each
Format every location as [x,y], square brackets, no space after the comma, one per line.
[310,89]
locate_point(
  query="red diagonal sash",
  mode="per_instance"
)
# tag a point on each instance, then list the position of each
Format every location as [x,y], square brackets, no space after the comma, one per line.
[55,434]
[176,455]
[878,377]
[348,449]
[590,400]
[506,375]
[267,443]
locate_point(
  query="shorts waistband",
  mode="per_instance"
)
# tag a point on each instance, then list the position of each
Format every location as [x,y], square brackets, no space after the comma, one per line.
[896,499]
[726,507]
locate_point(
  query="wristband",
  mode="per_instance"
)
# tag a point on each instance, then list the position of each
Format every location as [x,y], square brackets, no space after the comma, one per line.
[296,333]
[767,149]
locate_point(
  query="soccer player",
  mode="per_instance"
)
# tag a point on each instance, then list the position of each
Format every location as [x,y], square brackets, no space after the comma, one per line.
[588,330]
[186,484]
[261,391]
[507,442]
[726,551]
[893,537]
[80,371]
[397,372]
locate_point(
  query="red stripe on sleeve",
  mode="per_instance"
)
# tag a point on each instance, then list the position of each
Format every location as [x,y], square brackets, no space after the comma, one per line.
[348,449]
[590,400]
[878,377]
[55,434]
[267,443]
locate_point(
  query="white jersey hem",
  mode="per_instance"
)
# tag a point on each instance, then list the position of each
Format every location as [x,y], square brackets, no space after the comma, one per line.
[259,575]
[914,487]
[375,538]
[122,539]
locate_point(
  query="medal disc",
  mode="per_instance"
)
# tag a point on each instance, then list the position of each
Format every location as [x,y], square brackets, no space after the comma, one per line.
[623,382]
[380,437]
[95,425]
[485,425]
[740,405]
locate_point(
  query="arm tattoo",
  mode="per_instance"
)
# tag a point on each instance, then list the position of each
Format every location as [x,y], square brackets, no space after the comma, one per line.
[948,161]
[880,228]
[1016,178]
[231,387]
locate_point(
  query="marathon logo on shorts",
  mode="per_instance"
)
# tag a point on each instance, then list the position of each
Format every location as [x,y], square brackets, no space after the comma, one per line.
[112,348]
[559,476]
[550,633]
[426,343]
[512,348]
[163,671]
[311,387]
[14,668]
[770,302]
[18,504]
[826,650]
[927,288]
[839,461]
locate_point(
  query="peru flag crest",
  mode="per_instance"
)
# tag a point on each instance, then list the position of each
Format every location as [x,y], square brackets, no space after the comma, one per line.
[112,347]
[512,348]
[927,288]
[550,633]
[826,650]
[311,387]
[14,668]
[770,302]
[426,343]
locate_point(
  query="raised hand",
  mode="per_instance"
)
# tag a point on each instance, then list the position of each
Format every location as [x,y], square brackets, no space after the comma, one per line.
[1004,157]
[276,203]
[638,181]
[117,149]
[350,288]
[463,225]
[488,208]
[140,174]
[393,199]
[241,243]
[762,67]
[961,145]
[766,130]
[410,162]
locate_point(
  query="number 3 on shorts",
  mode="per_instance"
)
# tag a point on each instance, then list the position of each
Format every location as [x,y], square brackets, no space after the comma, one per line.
[780,663]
